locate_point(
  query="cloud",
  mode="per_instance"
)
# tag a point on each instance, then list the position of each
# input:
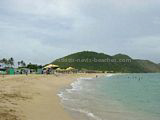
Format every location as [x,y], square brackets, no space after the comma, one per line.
[156,20]
[41,7]
[48,29]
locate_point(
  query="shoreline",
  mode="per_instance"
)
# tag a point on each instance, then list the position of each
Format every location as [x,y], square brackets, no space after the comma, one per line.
[34,97]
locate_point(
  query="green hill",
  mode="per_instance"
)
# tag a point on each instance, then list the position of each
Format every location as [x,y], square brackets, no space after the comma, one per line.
[99,61]
[148,65]
[121,56]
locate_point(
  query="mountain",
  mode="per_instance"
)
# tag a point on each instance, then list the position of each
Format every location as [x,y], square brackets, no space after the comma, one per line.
[90,60]
[121,56]
[149,65]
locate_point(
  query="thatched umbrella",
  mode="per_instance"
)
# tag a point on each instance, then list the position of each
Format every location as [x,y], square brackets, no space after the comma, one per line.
[70,68]
[59,69]
[51,66]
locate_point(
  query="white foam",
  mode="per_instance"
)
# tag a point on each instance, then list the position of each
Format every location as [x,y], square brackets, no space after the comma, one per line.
[61,95]
[86,78]
[110,75]
[76,86]
[89,114]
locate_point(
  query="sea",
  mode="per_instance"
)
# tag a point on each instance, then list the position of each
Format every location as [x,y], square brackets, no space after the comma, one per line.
[114,97]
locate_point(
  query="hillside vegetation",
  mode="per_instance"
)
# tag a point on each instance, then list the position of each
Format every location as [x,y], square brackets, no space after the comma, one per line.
[88,60]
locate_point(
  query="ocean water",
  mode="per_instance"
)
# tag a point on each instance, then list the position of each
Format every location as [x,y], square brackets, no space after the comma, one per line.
[114,97]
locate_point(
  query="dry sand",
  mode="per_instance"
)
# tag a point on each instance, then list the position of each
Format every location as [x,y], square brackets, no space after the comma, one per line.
[34,97]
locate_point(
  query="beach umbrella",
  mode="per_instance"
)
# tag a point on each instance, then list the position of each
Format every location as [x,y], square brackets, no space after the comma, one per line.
[70,68]
[59,69]
[51,66]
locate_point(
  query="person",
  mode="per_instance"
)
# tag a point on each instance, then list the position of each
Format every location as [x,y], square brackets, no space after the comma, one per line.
[96,76]
[26,72]
[3,74]
[47,72]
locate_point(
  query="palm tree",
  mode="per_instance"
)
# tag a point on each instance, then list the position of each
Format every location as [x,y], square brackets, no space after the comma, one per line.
[11,61]
[1,62]
[19,63]
[22,63]
[5,61]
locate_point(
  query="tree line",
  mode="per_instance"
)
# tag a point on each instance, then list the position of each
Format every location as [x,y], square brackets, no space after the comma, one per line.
[10,62]
[7,62]
[21,64]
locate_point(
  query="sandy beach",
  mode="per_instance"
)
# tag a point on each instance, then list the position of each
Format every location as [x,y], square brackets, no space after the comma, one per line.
[34,97]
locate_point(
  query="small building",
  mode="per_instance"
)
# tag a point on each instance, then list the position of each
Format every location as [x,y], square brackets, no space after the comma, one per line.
[23,71]
[2,65]
[7,70]
[3,71]
[39,71]
[11,71]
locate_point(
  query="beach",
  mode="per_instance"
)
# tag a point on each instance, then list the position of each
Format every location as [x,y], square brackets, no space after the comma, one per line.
[34,97]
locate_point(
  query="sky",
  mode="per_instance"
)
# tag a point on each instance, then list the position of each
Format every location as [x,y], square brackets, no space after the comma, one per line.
[40,31]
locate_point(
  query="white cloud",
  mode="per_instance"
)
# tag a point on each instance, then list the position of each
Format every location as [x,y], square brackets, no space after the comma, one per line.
[156,20]
[43,7]
[146,47]
[54,28]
